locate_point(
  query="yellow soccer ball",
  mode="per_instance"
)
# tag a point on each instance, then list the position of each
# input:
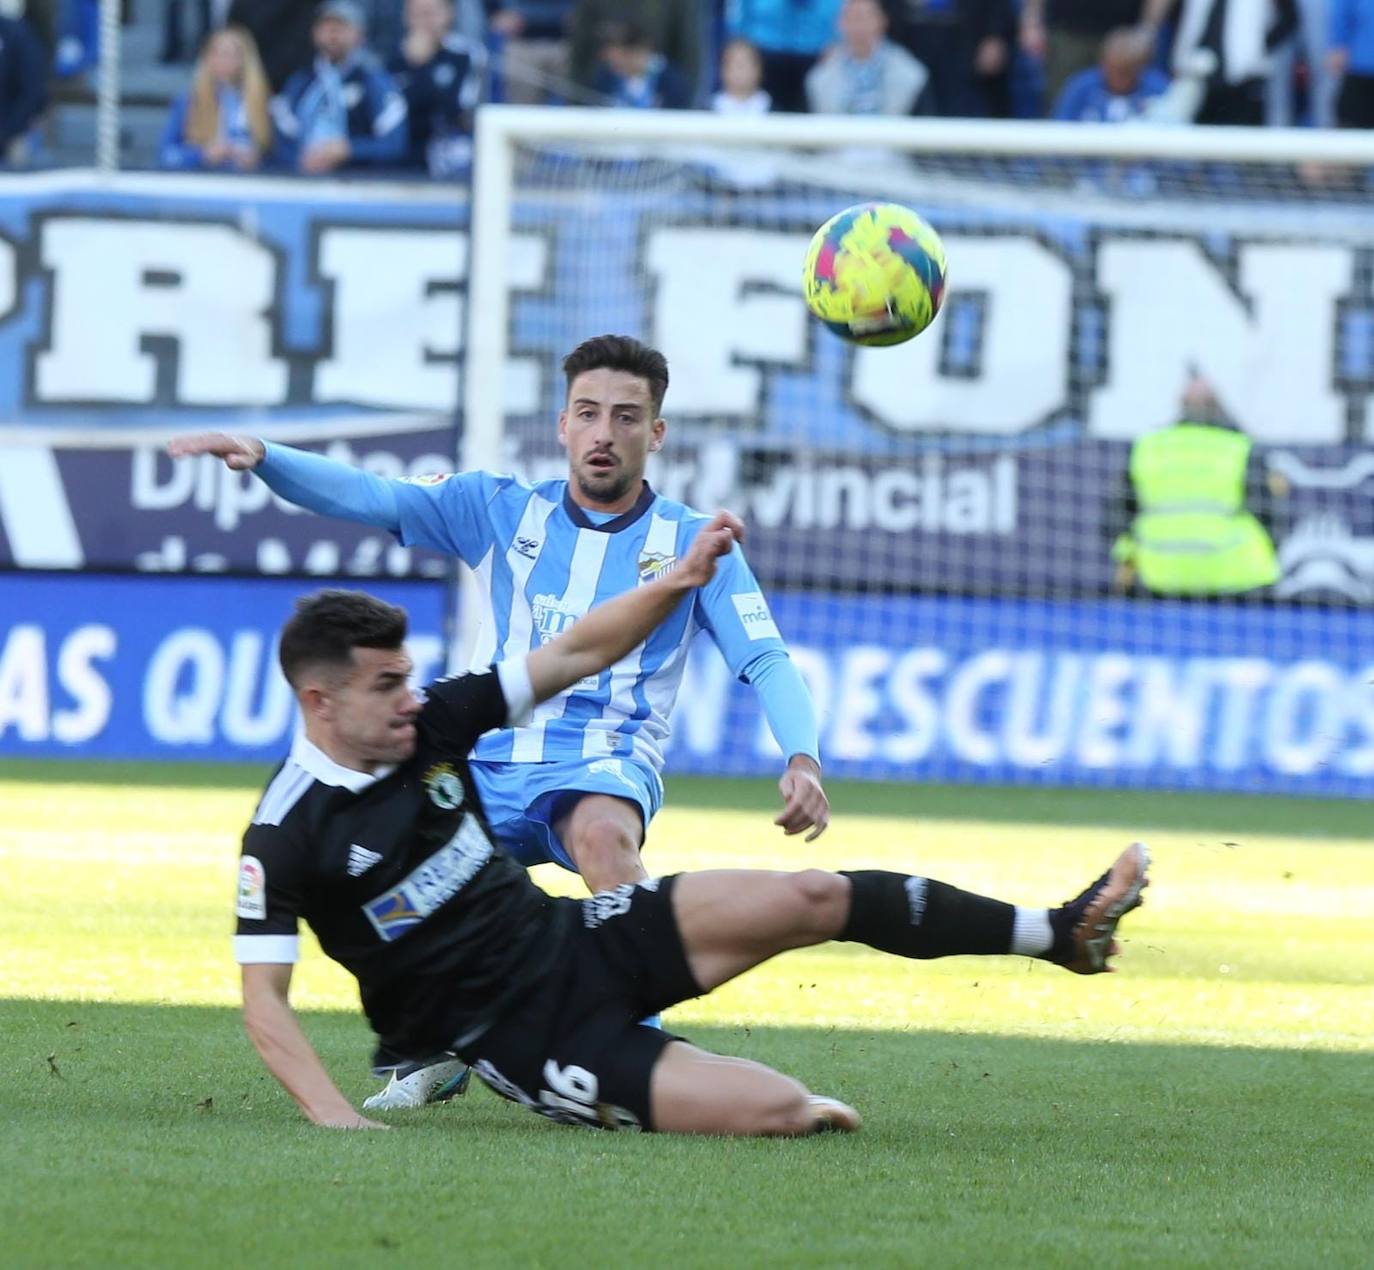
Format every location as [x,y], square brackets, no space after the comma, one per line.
[875,274]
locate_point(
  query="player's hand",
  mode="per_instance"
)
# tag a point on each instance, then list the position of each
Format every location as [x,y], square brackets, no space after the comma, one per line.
[698,566]
[242,454]
[350,1120]
[805,805]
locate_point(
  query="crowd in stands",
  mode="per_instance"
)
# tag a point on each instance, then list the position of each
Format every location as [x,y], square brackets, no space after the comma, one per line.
[393,84]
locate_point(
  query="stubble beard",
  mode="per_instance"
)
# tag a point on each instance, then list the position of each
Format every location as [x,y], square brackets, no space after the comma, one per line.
[607,488]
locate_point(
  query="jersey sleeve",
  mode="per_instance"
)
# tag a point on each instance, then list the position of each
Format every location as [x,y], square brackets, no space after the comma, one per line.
[461,708]
[733,609]
[448,513]
[270,896]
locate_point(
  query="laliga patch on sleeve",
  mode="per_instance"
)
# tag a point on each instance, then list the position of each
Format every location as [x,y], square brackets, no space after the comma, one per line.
[252,889]
[430,478]
[754,615]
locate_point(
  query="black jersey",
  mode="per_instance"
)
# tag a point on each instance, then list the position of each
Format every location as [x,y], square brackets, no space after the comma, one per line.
[399,878]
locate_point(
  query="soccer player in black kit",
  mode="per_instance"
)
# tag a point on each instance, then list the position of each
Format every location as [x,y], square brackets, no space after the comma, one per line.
[371,831]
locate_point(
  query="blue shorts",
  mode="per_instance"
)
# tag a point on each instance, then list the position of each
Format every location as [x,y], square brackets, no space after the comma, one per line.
[524,800]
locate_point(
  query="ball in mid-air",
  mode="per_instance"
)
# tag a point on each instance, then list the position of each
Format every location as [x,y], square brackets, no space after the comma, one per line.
[875,274]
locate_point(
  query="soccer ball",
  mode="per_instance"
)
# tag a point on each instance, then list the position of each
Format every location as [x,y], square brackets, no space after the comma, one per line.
[875,274]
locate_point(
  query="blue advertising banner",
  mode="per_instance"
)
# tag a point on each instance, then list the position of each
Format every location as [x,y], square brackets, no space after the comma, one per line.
[1150,695]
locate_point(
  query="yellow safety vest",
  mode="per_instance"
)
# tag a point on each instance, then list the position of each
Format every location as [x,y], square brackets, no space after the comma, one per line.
[1192,533]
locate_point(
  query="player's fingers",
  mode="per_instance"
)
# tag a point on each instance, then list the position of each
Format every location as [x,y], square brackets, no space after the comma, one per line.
[199,443]
[728,521]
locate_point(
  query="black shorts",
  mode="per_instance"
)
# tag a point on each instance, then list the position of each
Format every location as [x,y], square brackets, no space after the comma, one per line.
[575,1049]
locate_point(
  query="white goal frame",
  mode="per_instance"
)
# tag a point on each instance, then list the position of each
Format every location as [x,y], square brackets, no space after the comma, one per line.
[500,129]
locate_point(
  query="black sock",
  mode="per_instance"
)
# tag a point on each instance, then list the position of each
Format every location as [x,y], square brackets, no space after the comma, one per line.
[916,917]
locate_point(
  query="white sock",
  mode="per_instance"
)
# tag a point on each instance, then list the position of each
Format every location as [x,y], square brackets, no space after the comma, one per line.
[1031,935]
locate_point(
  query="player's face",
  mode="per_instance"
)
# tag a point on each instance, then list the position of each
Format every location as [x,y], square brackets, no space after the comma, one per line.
[609,430]
[372,713]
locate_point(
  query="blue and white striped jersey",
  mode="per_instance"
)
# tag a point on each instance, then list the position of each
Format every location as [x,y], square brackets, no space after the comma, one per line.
[541,563]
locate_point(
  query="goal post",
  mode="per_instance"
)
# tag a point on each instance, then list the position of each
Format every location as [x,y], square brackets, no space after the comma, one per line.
[934,523]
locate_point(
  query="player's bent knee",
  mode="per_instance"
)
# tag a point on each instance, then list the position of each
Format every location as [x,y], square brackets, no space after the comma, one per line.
[824,900]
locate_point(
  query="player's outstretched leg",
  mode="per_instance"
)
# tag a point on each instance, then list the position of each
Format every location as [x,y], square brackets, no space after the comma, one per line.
[693,1091]
[732,919]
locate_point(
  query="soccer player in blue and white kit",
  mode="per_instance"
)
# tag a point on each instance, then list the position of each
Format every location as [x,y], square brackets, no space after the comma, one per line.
[579,783]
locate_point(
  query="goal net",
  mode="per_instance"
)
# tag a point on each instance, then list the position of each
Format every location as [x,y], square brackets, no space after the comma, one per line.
[934,524]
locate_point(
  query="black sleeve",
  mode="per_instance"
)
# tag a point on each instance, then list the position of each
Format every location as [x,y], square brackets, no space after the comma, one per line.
[459,709]
[271,883]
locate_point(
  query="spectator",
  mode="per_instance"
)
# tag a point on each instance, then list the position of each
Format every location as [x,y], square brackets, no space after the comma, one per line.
[440,74]
[1065,35]
[1117,89]
[867,74]
[281,31]
[386,23]
[1241,35]
[1311,40]
[1351,60]
[344,111]
[790,35]
[966,46]
[534,56]
[634,74]
[223,121]
[22,91]
[672,28]
[741,81]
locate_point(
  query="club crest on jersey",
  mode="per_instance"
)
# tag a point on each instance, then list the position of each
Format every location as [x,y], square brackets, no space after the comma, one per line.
[445,787]
[653,565]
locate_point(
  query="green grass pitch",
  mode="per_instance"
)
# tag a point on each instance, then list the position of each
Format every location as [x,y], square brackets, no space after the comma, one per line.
[1212,1104]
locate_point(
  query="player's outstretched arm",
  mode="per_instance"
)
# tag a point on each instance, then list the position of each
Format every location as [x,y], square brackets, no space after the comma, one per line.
[308,480]
[611,630]
[287,1053]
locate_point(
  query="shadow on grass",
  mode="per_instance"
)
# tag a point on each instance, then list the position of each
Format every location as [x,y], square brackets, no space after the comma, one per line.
[1133,810]
[150,1134]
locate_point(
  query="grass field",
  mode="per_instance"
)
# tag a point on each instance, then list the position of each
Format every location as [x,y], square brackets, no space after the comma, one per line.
[1213,1104]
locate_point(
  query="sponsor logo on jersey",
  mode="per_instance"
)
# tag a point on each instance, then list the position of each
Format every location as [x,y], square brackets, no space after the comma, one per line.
[552,616]
[428,886]
[430,478]
[527,547]
[753,613]
[654,564]
[445,787]
[252,903]
[360,859]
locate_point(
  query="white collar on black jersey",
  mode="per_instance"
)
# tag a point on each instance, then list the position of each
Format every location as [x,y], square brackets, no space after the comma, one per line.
[306,754]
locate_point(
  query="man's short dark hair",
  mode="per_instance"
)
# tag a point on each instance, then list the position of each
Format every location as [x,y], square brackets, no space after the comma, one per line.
[327,626]
[623,353]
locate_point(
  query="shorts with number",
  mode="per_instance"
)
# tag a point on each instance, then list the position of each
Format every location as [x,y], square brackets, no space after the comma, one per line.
[523,801]
[574,1050]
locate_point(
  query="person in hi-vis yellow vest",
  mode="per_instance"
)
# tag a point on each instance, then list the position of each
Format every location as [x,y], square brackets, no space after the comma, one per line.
[1193,517]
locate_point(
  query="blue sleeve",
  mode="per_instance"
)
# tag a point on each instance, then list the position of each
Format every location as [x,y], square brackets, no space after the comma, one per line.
[174,151]
[390,136]
[330,488]
[286,127]
[448,513]
[1074,98]
[786,704]
[731,606]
